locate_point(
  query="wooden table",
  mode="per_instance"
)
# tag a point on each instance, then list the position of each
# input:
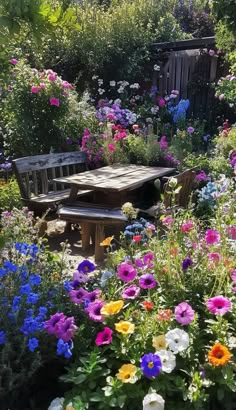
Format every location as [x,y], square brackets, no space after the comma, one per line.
[114,181]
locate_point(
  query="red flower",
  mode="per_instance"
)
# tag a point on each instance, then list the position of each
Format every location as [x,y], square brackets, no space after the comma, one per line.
[148,305]
[137,238]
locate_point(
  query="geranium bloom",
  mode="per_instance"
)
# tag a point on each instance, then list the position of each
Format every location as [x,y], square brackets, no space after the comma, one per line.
[124,327]
[151,365]
[111,147]
[52,77]
[35,89]
[86,266]
[159,342]
[153,401]
[131,292]
[42,86]
[184,313]
[77,296]
[187,262]
[94,311]
[164,314]
[168,360]
[177,340]
[54,101]
[107,241]
[219,305]
[112,308]
[187,226]
[126,272]
[126,373]
[147,281]
[212,237]
[104,337]
[147,304]
[219,355]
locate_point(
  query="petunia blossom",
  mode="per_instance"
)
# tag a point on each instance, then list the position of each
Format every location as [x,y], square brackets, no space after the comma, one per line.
[147,281]
[126,272]
[219,305]
[104,337]
[184,313]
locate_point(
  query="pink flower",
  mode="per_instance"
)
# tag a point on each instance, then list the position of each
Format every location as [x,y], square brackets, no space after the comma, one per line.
[14,61]
[167,221]
[131,292]
[111,147]
[231,231]
[212,236]
[42,86]
[34,89]
[187,226]
[161,102]
[52,77]
[54,101]
[190,130]
[65,84]
[221,97]
[148,259]
[163,143]
[214,257]
[104,337]
[135,127]
[219,305]
[126,272]
[184,313]
[233,276]
[110,116]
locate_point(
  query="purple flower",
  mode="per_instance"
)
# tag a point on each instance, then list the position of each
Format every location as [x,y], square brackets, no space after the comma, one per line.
[92,296]
[104,337]
[131,292]
[190,130]
[151,365]
[126,272]
[78,296]
[184,313]
[202,176]
[187,262]
[86,266]
[66,329]
[94,311]
[52,324]
[148,259]
[147,281]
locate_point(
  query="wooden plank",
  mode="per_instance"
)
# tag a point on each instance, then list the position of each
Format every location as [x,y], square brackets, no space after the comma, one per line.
[35,183]
[27,185]
[39,162]
[189,44]
[54,185]
[44,181]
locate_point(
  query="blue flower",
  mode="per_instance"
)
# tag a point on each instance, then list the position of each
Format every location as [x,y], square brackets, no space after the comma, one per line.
[16,303]
[67,286]
[25,289]
[64,349]
[32,298]
[33,344]
[35,280]
[42,312]
[3,272]
[2,337]
[86,266]
[10,267]
[151,365]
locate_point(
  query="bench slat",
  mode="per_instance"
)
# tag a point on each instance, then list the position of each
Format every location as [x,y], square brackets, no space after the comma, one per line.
[78,213]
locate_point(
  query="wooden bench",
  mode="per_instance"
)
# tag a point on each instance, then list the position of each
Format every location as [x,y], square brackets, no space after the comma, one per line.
[92,219]
[185,180]
[35,176]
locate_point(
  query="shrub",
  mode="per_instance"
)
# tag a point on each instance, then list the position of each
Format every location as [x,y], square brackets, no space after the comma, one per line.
[9,195]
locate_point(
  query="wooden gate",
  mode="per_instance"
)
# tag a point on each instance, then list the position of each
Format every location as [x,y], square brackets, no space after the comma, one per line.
[187,66]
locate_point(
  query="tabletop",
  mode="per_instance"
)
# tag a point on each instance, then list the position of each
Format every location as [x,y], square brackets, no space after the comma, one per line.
[115,178]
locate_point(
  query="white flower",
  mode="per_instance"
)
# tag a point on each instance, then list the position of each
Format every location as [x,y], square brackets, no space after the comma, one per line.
[156,67]
[112,83]
[135,86]
[101,91]
[120,90]
[117,101]
[155,109]
[153,401]
[177,340]
[94,77]
[168,360]
[57,404]
[100,82]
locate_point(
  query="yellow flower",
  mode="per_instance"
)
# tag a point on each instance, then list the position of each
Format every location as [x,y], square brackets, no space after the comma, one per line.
[112,307]
[127,373]
[124,327]
[107,241]
[159,342]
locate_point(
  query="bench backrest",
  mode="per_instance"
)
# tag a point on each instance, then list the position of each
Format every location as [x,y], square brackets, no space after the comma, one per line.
[35,174]
[185,179]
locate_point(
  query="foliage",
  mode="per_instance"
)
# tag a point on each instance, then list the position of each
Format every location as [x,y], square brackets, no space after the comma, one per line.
[38,111]
[9,195]
[195,19]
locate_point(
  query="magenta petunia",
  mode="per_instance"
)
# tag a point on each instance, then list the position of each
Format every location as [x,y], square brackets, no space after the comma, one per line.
[126,272]
[131,292]
[94,311]
[52,324]
[104,337]
[78,296]
[184,313]
[66,329]
[212,236]
[92,296]
[219,305]
[147,281]
[148,259]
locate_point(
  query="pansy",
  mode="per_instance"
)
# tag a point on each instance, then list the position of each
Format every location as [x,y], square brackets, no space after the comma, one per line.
[147,281]
[127,373]
[151,365]
[126,272]
[219,305]
[184,313]
[177,340]
[168,360]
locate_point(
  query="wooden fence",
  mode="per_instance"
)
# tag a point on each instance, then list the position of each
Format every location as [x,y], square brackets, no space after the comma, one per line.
[188,67]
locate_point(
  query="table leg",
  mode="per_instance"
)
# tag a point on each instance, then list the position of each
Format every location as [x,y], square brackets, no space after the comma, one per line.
[86,233]
[99,237]
[72,197]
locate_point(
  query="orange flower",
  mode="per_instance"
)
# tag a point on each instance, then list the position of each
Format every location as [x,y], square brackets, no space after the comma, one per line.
[219,355]
[107,241]
[164,314]
[174,252]
[148,305]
